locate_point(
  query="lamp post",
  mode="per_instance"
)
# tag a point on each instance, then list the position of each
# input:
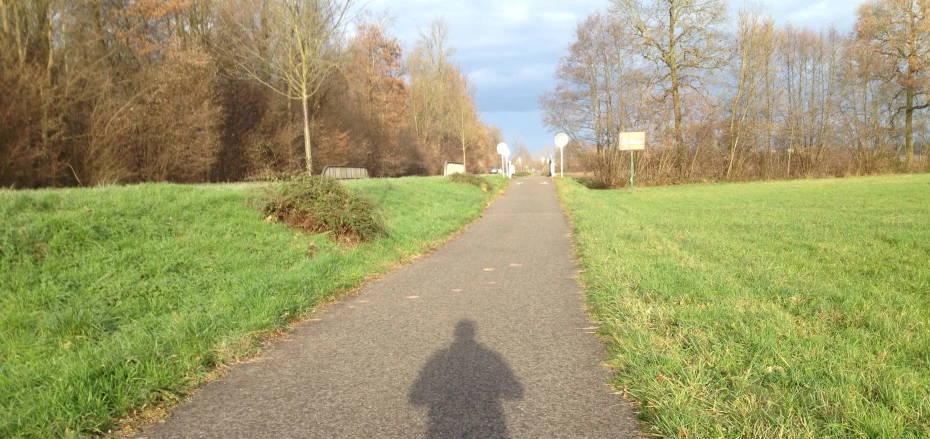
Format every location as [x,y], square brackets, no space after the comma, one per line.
[507,160]
[503,151]
[561,140]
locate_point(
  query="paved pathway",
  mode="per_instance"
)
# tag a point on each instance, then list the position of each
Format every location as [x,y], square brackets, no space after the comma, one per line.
[485,338]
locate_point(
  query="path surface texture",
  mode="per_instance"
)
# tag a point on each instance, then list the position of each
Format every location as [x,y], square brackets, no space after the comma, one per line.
[485,338]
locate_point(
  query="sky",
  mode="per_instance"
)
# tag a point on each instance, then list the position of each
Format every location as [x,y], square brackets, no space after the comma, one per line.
[510,48]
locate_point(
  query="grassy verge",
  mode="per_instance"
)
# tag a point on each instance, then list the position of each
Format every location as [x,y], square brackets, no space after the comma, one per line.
[790,309]
[117,298]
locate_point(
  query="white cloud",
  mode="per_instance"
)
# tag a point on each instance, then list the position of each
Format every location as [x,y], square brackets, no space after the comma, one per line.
[818,14]
[814,12]
[514,12]
[502,77]
[560,17]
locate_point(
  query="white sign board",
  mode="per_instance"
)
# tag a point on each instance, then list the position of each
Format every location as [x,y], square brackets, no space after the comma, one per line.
[453,168]
[631,142]
[501,147]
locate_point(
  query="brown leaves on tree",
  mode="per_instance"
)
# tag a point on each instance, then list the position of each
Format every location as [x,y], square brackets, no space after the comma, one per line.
[99,92]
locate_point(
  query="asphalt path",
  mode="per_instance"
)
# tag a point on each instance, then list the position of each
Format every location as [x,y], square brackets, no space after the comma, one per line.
[487,337]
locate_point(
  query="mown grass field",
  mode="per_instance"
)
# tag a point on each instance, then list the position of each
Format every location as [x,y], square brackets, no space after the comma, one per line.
[795,309]
[117,298]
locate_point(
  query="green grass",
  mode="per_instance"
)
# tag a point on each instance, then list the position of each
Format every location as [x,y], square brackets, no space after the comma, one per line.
[122,297]
[793,309]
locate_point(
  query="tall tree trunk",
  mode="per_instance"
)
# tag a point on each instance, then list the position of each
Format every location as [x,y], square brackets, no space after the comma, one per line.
[734,143]
[679,139]
[734,136]
[676,83]
[464,144]
[909,128]
[303,101]
[45,94]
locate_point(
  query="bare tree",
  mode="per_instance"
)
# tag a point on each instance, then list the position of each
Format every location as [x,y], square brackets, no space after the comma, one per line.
[810,63]
[601,90]
[682,38]
[293,50]
[519,153]
[899,32]
[428,65]
[755,47]
[465,119]
[600,85]
[441,102]
[867,107]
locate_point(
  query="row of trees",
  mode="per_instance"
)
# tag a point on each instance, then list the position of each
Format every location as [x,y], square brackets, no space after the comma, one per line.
[116,91]
[745,100]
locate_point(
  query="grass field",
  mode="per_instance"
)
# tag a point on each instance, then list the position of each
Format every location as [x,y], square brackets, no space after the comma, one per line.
[795,309]
[122,297]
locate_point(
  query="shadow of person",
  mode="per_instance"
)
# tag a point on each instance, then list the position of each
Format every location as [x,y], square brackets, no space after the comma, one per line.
[463,386]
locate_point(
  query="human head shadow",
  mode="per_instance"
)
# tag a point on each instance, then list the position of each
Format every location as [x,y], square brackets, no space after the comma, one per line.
[463,386]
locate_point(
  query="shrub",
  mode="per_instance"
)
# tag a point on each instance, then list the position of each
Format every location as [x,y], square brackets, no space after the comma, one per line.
[522,174]
[610,168]
[471,179]
[591,183]
[320,204]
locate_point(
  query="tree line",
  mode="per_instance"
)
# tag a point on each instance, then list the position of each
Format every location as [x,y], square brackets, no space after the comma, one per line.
[747,100]
[124,91]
